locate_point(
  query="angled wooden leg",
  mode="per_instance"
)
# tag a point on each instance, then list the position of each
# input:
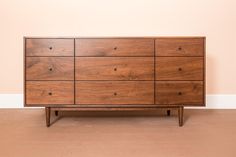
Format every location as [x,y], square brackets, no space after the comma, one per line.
[56,113]
[168,112]
[180,115]
[48,112]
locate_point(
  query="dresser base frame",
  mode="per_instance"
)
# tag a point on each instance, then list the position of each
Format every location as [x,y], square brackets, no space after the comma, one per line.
[56,109]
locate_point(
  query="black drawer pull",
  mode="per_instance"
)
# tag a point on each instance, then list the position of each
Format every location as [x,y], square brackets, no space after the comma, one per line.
[50,47]
[180,93]
[115,69]
[180,48]
[115,48]
[50,69]
[180,69]
[115,93]
[50,93]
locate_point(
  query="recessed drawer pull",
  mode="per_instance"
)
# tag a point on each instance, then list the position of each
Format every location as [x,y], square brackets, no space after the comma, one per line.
[179,48]
[50,47]
[50,93]
[115,48]
[180,69]
[115,93]
[180,93]
[115,69]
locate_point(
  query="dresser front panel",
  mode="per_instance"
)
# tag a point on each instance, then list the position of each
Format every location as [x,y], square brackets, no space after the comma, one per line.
[49,68]
[179,46]
[49,92]
[115,92]
[179,92]
[115,71]
[49,47]
[114,68]
[179,68]
[114,47]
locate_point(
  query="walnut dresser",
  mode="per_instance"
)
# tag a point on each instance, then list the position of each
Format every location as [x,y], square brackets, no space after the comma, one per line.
[121,73]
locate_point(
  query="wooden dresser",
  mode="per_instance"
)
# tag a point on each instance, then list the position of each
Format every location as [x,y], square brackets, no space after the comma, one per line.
[114,73]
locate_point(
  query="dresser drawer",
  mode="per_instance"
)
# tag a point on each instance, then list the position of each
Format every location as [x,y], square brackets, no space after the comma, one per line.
[179,46]
[49,68]
[114,68]
[49,92]
[114,92]
[49,47]
[179,92]
[114,47]
[179,68]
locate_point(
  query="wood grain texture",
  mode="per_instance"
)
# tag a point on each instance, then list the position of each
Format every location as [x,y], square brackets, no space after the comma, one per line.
[179,92]
[179,68]
[114,92]
[179,46]
[114,73]
[114,47]
[112,108]
[49,68]
[114,68]
[49,47]
[49,92]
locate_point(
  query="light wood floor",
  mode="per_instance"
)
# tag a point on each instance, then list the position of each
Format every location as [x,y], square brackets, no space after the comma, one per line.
[206,133]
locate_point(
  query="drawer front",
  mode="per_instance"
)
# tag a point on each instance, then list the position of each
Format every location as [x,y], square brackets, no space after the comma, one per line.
[114,47]
[115,92]
[49,92]
[49,47]
[179,68]
[179,92]
[49,68]
[114,68]
[179,46]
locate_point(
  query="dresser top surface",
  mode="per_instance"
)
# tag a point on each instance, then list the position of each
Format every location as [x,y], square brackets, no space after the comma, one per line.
[107,37]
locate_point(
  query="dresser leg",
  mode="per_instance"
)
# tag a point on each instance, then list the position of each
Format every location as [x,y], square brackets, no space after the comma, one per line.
[180,114]
[168,112]
[56,113]
[47,111]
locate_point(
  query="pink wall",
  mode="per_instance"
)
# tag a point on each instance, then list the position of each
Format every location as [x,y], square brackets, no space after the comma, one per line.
[215,19]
